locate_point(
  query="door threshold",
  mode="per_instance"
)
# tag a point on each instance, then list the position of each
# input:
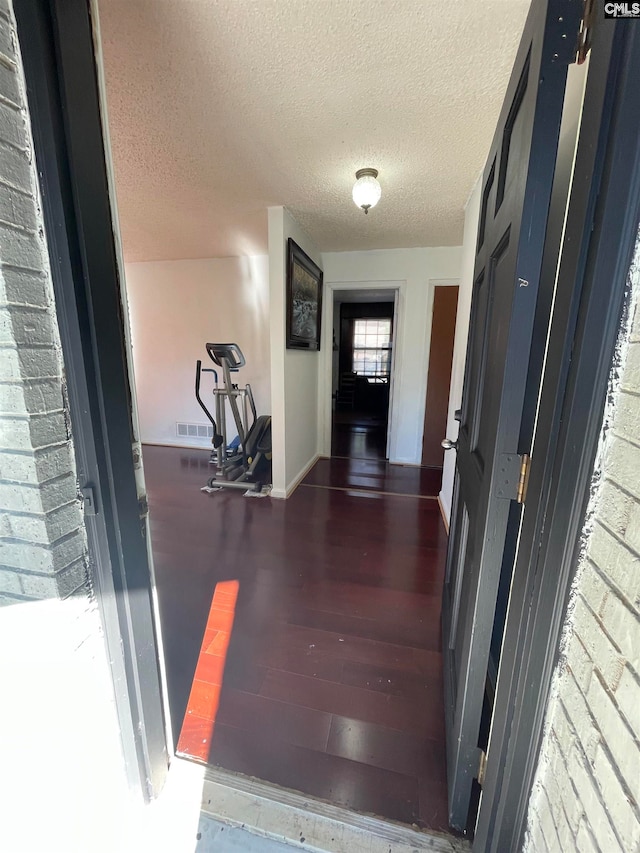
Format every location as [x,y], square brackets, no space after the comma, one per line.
[311,824]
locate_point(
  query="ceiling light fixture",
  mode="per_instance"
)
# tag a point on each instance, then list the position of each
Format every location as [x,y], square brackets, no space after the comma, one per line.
[366,190]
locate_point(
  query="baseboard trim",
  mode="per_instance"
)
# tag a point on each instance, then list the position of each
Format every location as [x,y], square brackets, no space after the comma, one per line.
[310,824]
[293,485]
[207,447]
[443,513]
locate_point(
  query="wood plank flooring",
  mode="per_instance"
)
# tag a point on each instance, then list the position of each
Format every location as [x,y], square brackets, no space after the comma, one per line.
[376,475]
[333,678]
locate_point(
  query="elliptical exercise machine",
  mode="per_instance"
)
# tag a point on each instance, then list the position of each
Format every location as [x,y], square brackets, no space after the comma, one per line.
[244,463]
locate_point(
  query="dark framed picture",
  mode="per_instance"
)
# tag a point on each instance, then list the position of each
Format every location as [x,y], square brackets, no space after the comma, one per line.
[304,299]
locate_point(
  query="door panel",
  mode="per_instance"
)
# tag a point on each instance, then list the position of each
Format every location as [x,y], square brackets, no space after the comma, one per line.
[513,218]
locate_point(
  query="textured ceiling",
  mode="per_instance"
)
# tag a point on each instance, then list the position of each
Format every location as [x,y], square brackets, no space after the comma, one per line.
[220,108]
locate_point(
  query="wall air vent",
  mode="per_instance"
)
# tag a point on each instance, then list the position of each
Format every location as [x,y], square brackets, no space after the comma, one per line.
[184,430]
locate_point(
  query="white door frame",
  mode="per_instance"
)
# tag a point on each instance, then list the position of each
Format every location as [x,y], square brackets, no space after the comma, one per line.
[325,378]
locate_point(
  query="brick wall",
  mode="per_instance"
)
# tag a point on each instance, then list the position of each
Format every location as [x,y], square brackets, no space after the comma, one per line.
[42,537]
[587,785]
[62,776]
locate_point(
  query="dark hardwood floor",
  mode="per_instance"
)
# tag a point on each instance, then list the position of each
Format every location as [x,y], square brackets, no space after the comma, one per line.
[376,475]
[358,435]
[333,678]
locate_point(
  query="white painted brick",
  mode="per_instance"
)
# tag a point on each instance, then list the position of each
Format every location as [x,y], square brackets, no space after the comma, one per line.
[29,499]
[15,434]
[42,558]
[29,363]
[44,528]
[6,43]
[12,129]
[622,464]
[579,662]
[622,745]
[59,585]
[8,600]
[622,814]
[31,398]
[33,432]
[15,170]
[578,712]
[620,564]
[632,533]
[598,645]
[565,808]
[547,825]
[17,208]
[19,467]
[43,395]
[615,508]
[26,326]
[9,83]
[584,839]
[535,842]
[635,325]
[592,802]
[57,493]
[631,377]
[48,429]
[593,589]
[566,836]
[623,626]
[20,498]
[9,582]
[9,365]
[564,737]
[19,248]
[627,696]
[12,400]
[36,467]
[24,288]
[625,419]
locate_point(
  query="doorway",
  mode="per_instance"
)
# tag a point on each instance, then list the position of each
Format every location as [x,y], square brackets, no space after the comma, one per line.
[363,326]
[443,328]
[130,515]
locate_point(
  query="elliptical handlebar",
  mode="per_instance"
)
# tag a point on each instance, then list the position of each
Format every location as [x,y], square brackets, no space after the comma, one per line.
[231,353]
[217,438]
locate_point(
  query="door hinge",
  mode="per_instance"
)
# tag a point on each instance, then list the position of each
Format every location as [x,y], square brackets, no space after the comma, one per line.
[482,767]
[523,479]
[586,31]
[512,475]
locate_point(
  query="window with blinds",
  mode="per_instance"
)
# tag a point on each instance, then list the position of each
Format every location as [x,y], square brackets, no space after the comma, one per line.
[372,349]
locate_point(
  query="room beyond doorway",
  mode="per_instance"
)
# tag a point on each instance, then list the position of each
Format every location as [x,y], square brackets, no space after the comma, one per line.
[363,338]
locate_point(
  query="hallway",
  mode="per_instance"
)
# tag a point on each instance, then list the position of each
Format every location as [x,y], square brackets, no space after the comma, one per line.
[333,677]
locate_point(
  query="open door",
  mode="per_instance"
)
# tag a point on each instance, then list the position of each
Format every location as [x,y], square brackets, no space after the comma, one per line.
[486,513]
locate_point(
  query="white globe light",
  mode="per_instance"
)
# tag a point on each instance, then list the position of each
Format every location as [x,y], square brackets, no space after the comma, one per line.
[366,190]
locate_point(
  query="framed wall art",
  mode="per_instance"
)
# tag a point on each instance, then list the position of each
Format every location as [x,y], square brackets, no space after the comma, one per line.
[304,299]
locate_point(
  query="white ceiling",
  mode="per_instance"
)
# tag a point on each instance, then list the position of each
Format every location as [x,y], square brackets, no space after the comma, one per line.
[220,108]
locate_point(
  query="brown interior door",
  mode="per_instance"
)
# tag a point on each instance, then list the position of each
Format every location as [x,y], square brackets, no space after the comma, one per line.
[443,329]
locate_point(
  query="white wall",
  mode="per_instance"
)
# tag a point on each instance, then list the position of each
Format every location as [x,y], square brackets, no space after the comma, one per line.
[294,373]
[414,273]
[472,213]
[176,307]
